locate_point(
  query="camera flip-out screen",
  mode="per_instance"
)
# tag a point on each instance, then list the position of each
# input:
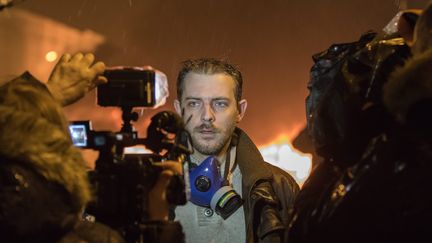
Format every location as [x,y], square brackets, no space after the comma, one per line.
[80,133]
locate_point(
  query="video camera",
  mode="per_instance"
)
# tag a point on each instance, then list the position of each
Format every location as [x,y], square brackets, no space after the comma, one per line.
[122,181]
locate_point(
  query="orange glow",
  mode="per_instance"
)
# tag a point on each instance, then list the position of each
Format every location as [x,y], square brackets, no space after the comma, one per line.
[282,154]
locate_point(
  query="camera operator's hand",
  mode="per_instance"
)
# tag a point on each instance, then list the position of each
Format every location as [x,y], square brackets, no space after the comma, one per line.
[158,205]
[74,76]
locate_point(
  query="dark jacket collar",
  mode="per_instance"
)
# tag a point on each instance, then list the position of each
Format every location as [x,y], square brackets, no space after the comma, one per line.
[250,161]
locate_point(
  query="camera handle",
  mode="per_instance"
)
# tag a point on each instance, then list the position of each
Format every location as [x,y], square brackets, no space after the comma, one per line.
[127,117]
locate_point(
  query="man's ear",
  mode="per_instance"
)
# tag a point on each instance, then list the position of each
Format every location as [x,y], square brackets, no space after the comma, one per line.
[242,105]
[177,107]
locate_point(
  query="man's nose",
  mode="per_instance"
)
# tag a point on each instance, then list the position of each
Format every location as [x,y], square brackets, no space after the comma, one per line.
[208,114]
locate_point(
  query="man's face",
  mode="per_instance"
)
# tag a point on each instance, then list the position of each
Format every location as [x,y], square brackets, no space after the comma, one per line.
[210,110]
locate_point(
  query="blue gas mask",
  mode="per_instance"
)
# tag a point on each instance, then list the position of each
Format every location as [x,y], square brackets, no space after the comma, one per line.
[209,189]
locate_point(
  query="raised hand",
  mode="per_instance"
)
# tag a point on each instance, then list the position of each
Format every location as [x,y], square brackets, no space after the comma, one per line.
[74,76]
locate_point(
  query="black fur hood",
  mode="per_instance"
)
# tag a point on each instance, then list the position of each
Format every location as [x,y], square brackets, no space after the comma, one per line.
[410,87]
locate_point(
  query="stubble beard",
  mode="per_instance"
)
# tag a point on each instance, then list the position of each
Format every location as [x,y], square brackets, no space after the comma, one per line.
[215,146]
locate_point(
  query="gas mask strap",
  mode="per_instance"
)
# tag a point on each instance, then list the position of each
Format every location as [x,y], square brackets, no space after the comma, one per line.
[227,167]
[227,171]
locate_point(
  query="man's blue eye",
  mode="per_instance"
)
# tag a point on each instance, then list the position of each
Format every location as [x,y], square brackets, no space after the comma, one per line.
[193,104]
[221,104]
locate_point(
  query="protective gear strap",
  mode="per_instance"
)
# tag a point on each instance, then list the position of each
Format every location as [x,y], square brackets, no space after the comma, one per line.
[227,171]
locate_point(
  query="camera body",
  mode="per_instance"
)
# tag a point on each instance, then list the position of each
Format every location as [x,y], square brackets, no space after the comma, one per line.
[83,136]
[133,87]
[122,181]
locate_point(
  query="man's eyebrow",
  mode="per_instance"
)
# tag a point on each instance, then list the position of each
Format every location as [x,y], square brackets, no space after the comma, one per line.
[192,98]
[221,98]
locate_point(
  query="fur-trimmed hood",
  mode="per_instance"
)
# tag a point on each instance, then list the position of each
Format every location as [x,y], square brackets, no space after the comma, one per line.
[409,85]
[33,130]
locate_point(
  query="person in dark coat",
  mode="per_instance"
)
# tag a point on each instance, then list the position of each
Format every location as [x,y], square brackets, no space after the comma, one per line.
[209,99]
[352,196]
[44,184]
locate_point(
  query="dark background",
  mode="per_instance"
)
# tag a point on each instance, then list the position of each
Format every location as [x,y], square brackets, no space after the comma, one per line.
[272,42]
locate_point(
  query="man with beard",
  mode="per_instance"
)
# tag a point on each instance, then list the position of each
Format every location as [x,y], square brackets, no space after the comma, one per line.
[259,195]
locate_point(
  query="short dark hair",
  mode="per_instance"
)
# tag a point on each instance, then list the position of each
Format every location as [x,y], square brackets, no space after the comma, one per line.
[210,66]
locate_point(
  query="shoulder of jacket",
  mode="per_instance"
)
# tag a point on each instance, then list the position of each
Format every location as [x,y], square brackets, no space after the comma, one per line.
[281,176]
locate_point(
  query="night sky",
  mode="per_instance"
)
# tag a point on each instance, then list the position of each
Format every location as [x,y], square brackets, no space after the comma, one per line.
[272,42]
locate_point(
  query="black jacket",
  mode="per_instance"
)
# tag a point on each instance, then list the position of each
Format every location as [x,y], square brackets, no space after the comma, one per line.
[268,191]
